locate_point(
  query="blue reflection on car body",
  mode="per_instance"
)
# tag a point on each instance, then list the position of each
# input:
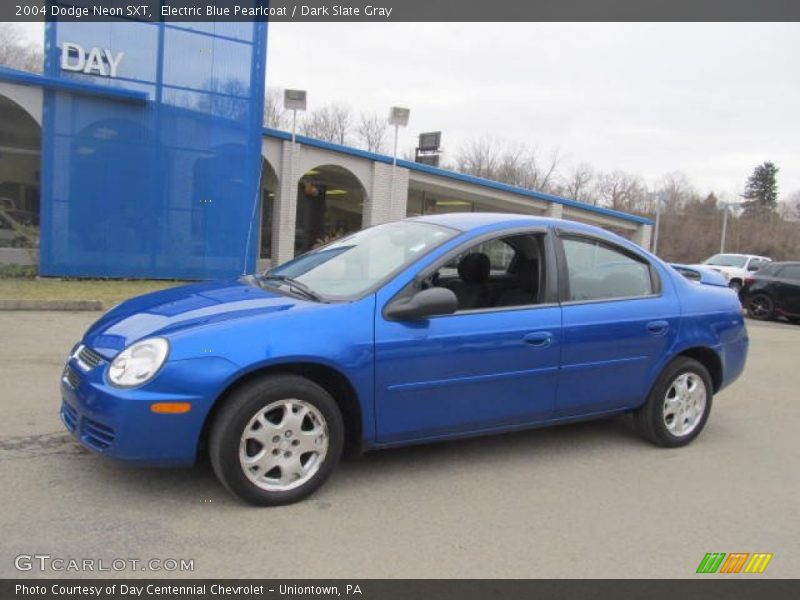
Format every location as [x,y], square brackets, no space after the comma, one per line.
[402,381]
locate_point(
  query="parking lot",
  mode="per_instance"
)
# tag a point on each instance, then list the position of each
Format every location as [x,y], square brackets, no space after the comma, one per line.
[586,500]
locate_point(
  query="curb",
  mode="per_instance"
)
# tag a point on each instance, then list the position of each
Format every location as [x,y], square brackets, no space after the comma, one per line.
[75,305]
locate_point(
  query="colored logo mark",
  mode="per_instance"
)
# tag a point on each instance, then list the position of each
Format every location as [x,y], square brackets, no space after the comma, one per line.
[735,562]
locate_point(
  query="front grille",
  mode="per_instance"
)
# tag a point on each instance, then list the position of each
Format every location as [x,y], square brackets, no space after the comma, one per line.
[69,416]
[96,434]
[89,357]
[71,377]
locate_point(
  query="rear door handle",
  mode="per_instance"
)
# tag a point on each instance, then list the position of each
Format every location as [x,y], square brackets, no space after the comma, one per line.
[657,327]
[539,339]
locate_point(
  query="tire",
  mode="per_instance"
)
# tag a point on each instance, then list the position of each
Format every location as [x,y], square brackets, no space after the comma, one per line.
[657,419]
[276,440]
[735,285]
[760,307]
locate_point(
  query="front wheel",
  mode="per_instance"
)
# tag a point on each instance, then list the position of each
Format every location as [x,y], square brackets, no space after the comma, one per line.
[276,440]
[735,285]
[761,307]
[678,406]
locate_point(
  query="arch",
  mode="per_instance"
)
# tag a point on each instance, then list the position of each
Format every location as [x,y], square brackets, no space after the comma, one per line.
[268,189]
[27,98]
[330,203]
[20,169]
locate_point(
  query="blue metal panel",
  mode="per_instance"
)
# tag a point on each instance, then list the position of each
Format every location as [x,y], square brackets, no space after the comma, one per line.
[165,188]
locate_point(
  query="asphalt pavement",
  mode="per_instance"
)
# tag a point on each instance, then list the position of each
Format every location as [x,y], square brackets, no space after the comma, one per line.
[585,500]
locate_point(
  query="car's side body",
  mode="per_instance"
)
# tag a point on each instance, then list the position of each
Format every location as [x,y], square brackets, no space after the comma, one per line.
[779,281]
[401,382]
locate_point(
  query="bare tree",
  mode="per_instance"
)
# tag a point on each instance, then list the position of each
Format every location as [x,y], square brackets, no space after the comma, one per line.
[514,164]
[792,207]
[578,184]
[331,123]
[16,51]
[478,157]
[371,132]
[675,190]
[275,115]
[622,191]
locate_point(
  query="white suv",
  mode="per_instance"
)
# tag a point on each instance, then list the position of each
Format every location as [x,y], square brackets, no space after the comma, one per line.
[736,267]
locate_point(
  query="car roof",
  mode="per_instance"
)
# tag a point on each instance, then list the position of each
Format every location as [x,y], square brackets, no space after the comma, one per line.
[736,254]
[784,263]
[467,221]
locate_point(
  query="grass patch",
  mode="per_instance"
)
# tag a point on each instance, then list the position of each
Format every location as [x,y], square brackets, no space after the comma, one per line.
[107,291]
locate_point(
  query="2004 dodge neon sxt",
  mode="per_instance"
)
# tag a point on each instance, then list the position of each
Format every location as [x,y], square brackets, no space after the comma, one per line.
[424,329]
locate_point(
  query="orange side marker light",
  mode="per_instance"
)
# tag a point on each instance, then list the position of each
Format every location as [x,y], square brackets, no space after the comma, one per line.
[171,408]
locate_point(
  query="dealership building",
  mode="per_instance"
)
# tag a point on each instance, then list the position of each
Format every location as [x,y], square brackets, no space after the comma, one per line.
[140,152]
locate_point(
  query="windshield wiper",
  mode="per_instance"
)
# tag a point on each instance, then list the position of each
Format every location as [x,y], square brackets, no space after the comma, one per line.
[298,286]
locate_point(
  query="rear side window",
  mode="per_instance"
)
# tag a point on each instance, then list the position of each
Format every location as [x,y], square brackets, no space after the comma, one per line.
[770,270]
[791,272]
[600,272]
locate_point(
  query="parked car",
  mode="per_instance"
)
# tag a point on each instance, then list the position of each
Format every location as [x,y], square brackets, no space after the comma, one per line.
[773,291]
[421,330]
[736,267]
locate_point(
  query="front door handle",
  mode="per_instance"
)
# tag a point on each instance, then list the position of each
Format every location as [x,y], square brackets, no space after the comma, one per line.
[658,327]
[539,339]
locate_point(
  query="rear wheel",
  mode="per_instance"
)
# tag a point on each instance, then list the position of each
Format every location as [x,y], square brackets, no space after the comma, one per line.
[276,440]
[760,307]
[678,405]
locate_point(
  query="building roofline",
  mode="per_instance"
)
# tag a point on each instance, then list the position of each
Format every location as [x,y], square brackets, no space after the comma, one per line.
[69,85]
[486,183]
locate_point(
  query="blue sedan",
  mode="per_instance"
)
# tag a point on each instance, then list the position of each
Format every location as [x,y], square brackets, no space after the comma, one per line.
[421,330]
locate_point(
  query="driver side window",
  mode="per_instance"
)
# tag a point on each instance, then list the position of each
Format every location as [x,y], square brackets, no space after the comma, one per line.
[498,273]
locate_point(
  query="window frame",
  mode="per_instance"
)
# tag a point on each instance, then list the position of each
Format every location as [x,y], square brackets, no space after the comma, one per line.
[563,270]
[551,285]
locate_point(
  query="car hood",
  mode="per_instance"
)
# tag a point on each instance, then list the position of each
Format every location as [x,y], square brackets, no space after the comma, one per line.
[179,308]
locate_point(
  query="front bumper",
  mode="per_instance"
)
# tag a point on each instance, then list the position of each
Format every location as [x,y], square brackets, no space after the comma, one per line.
[118,422]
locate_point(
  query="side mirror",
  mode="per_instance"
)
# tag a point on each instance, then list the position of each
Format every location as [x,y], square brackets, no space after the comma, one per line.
[425,303]
[753,267]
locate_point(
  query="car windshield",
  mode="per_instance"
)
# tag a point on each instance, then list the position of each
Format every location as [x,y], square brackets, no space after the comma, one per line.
[350,266]
[726,260]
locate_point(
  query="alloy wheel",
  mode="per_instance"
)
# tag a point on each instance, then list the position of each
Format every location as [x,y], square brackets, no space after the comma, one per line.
[684,404]
[283,445]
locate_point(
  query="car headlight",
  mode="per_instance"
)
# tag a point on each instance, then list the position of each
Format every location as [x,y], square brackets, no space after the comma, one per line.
[138,363]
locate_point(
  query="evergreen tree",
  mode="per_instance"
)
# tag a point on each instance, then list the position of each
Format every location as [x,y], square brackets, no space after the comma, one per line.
[761,191]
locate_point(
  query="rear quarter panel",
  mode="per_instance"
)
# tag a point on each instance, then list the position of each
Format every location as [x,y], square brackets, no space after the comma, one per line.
[712,317]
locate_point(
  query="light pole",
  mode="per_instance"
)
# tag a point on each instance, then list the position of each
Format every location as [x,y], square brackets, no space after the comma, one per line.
[398,117]
[659,199]
[725,207]
[293,100]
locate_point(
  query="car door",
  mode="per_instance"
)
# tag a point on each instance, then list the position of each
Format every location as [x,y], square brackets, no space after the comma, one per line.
[787,294]
[477,369]
[620,318]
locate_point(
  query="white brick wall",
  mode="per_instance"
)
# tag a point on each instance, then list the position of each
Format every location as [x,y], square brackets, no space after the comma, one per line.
[643,236]
[380,206]
[284,212]
[555,210]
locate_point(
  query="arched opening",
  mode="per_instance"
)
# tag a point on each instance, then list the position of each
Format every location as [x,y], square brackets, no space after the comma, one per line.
[330,204]
[269,187]
[20,167]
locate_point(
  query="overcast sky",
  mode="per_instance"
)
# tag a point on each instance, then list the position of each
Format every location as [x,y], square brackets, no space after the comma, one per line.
[711,100]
